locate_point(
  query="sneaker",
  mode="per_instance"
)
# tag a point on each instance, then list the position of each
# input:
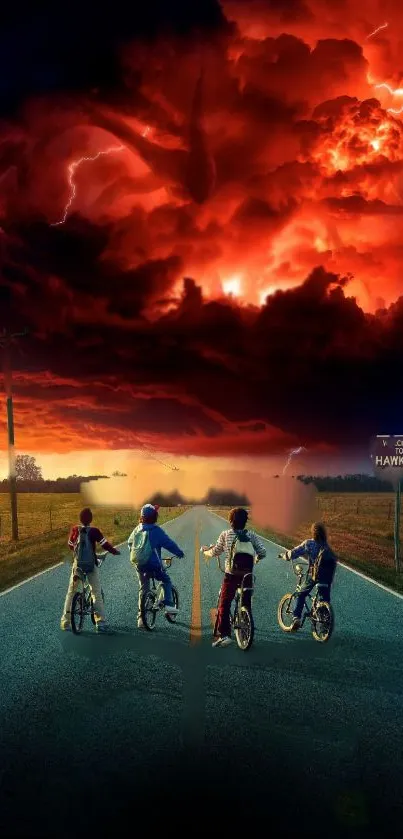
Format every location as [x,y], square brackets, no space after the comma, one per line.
[102,626]
[222,642]
[65,626]
[140,624]
[171,610]
[295,624]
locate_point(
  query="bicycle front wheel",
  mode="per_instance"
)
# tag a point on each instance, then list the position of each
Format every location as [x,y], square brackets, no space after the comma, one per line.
[175,597]
[244,628]
[285,616]
[148,611]
[77,612]
[323,623]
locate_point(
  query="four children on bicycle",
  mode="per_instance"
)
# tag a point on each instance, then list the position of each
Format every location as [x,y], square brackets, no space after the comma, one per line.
[241,547]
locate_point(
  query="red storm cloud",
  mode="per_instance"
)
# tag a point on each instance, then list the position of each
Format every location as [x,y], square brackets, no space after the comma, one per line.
[264,163]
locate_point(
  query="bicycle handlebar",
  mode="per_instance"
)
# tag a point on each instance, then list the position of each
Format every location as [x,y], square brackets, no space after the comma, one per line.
[168,560]
[296,568]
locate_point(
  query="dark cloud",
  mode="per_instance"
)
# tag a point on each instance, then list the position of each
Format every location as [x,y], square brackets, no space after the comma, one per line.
[310,362]
[76,48]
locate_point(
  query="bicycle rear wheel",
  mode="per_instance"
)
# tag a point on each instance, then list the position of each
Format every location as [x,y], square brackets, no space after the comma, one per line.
[323,624]
[77,612]
[175,597]
[285,616]
[244,628]
[148,612]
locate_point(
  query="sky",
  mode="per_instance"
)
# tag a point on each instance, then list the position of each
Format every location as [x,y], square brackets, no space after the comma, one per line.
[201,219]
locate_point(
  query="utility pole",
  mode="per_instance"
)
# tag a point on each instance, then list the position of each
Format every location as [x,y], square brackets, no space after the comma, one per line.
[6,339]
[397,526]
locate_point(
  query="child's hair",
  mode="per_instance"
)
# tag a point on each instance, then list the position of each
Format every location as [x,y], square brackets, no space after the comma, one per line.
[238,518]
[318,532]
[86,516]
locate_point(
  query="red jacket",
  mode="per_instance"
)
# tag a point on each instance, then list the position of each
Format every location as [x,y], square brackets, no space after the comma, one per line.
[95,536]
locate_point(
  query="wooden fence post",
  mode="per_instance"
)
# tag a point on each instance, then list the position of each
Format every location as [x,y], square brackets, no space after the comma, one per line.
[389,510]
[50,518]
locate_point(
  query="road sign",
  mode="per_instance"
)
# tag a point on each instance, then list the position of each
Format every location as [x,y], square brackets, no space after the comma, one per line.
[387,461]
[387,457]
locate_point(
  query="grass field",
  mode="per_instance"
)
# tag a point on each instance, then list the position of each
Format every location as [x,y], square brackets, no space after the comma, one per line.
[361,531]
[37,549]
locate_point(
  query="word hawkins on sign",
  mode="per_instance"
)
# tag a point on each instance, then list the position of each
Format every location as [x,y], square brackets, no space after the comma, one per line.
[387,456]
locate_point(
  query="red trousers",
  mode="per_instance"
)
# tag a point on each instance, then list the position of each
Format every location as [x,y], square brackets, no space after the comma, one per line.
[228,591]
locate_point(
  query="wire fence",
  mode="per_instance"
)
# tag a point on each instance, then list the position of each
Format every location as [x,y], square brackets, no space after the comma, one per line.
[58,519]
[53,520]
[375,505]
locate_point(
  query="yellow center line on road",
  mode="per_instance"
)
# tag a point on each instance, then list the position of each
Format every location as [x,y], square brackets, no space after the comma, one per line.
[196,619]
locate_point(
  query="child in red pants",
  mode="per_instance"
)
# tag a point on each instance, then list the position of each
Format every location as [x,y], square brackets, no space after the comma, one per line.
[248,544]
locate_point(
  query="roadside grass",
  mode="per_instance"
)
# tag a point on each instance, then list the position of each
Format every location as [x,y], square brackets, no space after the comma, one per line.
[361,531]
[36,551]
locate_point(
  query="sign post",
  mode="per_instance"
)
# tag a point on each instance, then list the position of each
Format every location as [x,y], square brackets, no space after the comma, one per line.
[397,527]
[387,458]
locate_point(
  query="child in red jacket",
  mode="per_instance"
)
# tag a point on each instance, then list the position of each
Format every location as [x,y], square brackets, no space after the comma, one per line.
[94,536]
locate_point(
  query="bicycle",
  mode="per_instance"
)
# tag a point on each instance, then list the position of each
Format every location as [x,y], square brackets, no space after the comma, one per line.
[320,613]
[241,617]
[152,600]
[82,604]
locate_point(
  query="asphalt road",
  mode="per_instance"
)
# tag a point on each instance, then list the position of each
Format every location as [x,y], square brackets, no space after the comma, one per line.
[151,729]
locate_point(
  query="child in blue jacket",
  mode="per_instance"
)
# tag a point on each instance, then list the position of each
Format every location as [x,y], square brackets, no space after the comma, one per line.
[158,539]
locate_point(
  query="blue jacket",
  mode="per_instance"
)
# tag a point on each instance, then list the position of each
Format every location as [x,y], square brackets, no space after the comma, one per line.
[158,539]
[308,549]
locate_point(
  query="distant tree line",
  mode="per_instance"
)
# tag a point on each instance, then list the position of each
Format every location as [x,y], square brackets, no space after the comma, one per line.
[347,483]
[70,484]
[214,497]
[29,479]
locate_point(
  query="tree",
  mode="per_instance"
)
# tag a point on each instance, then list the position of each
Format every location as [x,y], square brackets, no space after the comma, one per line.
[27,469]
[118,474]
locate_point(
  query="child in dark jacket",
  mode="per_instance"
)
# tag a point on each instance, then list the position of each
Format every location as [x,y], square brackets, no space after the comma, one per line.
[310,550]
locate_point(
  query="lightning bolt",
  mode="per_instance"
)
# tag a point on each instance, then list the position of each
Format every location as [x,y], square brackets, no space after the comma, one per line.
[75,165]
[375,32]
[71,171]
[398,91]
[291,454]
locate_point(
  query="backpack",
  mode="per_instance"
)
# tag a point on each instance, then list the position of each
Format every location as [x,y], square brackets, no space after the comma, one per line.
[242,554]
[84,553]
[141,550]
[324,566]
